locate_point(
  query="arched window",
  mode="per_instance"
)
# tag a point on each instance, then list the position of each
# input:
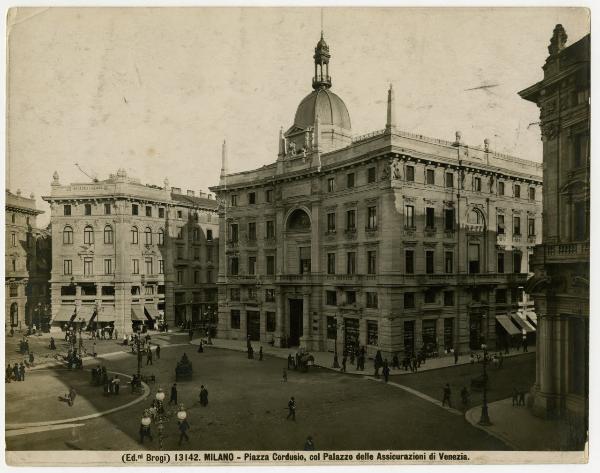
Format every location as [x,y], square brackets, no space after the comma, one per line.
[108,235]
[68,236]
[475,217]
[88,235]
[134,235]
[148,235]
[161,237]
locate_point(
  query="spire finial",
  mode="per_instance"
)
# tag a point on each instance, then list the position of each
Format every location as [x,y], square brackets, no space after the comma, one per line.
[224,166]
[321,80]
[391,111]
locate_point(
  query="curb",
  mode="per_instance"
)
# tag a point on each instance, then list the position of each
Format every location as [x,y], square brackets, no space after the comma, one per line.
[471,418]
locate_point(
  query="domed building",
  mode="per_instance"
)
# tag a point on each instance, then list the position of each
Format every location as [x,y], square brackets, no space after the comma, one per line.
[390,241]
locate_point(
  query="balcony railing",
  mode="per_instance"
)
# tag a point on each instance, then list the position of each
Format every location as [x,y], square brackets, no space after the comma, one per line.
[568,251]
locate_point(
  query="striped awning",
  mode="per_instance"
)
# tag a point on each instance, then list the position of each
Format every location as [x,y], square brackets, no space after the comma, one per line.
[106,314]
[523,324]
[507,324]
[152,311]
[532,317]
[85,312]
[65,312]
[137,313]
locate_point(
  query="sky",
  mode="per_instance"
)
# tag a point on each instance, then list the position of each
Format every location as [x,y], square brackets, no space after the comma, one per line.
[157,90]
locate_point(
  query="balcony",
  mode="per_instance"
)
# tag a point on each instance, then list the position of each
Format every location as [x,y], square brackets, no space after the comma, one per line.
[350,233]
[567,252]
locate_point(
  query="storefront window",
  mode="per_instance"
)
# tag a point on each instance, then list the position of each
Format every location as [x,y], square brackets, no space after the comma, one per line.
[372,332]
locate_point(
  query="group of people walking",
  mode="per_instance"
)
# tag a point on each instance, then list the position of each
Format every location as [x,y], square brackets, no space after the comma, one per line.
[15,372]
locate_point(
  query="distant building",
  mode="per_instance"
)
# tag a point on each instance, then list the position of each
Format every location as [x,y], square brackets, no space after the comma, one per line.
[127,254]
[27,264]
[391,240]
[561,263]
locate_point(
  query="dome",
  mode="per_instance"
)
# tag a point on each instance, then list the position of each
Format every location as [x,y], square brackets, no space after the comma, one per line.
[331,109]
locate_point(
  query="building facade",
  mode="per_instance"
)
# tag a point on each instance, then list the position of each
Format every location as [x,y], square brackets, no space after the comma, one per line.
[27,264]
[560,286]
[391,240]
[127,254]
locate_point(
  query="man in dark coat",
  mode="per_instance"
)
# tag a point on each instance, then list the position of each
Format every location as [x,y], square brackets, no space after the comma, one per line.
[292,408]
[203,396]
[22,371]
[290,361]
[386,371]
[447,393]
[149,356]
[173,399]
[183,428]
[158,352]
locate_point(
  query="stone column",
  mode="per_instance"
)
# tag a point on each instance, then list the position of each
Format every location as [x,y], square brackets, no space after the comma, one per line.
[280,317]
[243,324]
[306,339]
[339,347]
[439,335]
[263,326]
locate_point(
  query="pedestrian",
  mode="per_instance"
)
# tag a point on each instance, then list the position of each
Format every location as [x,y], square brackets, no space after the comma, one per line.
[94,349]
[455,356]
[395,362]
[260,354]
[158,352]
[386,371]
[145,432]
[116,384]
[72,396]
[108,387]
[21,372]
[292,408]
[191,334]
[52,344]
[515,397]
[336,363]
[200,347]
[521,397]
[524,343]
[31,358]
[8,374]
[16,372]
[290,361]
[309,444]
[183,428]
[464,395]
[283,379]
[447,394]
[472,358]
[173,399]
[297,361]
[149,356]
[351,356]
[203,396]
[344,364]
[116,333]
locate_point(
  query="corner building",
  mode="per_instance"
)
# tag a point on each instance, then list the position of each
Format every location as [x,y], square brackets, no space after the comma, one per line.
[127,254]
[391,240]
[560,285]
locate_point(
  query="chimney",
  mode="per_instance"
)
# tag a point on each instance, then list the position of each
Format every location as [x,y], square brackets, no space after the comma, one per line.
[201,194]
[176,190]
[191,193]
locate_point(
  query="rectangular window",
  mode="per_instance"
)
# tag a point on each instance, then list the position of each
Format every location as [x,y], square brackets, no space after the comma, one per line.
[149,266]
[251,198]
[430,217]
[430,296]
[517,191]
[449,262]
[331,184]
[271,322]
[67,209]
[409,261]
[410,173]
[180,277]
[331,297]
[180,252]
[350,297]
[409,300]
[532,193]
[148,211]
[477,184]
[87,209]
[252,293]
[351,220]
[372,218]
[501,296]
[180,214]
[196,277]
[196,252]
[429,262]
[331,328]
[581,219]
[330,263]
[252,265]
[501,262]
[372,301]
[350,180]
[234,293]
[270,229]
[500,222]
[108,266]
[161,212]
[209,278]
[449,220]
[371,262]
[107,210]
[135,266]
[580,150]
[430,177]
[88,266]
[473,258]
[269,295]
[235,319]
[149,290]
[304,259]
[500,188]
[448,298]
[269,195]
[209,235]
[351,262]
[331,222]
[449,179]
[234,266]
[233,233]
[134,209]
[517,262]
[234,200]
[161,267]
[409,216]
[252,231]
[372,333]
[371,173]
[180,233]
[13,239]
[516,225]
[67,267]
[270,265]
[531,227]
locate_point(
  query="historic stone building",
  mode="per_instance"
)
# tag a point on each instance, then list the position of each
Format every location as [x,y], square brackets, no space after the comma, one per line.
[390,240]
[27,264]
[560,286]
[126,253]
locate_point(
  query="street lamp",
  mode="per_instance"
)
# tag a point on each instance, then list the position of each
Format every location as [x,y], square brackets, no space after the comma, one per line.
[139,357]
[181,414]
[485,418]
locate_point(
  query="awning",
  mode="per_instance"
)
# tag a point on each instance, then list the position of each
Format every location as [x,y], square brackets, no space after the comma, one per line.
[532,317]
[523,324]
[137,313]
[507,325]
[151,311]
[106,314]
[64,313]
[85,312]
